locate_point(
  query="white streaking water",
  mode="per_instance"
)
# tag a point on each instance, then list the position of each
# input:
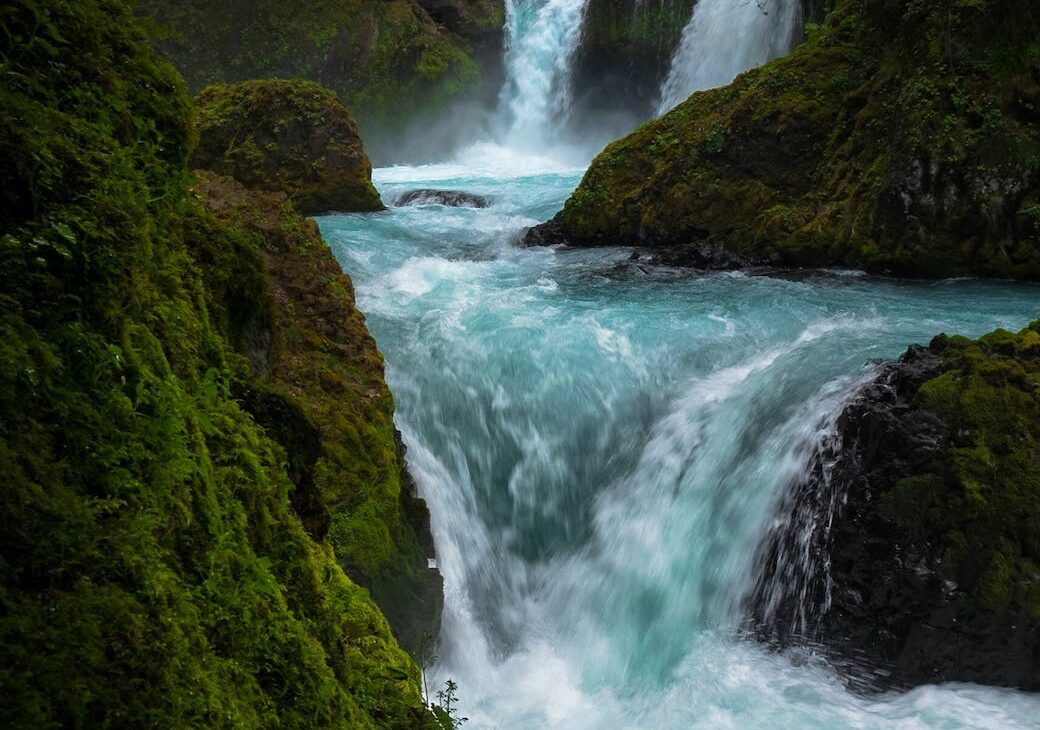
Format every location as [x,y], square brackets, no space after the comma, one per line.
[725,38]
[602,446]
[541,37]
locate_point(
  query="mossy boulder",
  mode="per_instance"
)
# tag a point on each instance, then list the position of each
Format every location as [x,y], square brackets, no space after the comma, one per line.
[901,137]
[154,569]
[927,507]
[286,135]
[392,62]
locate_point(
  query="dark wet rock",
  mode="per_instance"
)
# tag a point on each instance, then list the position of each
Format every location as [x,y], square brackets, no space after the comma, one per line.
[549,233]
[453,198]
[909,552]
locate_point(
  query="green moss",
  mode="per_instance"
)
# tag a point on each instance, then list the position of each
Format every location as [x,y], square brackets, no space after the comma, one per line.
[152,569]
[884,131]
[978,502]
[287,135]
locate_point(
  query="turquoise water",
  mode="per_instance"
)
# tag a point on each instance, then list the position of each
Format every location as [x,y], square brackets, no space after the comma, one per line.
[602,445]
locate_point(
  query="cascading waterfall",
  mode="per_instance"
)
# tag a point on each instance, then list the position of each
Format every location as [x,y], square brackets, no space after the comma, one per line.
[725,38]
[603,448]
[541,39]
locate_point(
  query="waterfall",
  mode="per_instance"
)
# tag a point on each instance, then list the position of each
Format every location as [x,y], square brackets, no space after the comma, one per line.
[725,38]
[541,39]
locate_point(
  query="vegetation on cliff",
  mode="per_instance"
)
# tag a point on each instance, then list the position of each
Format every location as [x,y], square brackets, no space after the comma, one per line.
[901,137]
[154,566]
[291,136]
[389,61]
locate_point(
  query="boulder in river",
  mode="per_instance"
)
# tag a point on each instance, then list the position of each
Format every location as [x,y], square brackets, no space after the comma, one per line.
[430,196]
[912,545]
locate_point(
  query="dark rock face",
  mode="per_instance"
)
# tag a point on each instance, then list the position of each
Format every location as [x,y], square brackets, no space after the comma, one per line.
[453,198]
[624,54]
[286,136]
[882,558]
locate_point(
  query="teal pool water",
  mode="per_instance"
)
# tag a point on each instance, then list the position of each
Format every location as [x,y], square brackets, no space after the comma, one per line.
[602,445]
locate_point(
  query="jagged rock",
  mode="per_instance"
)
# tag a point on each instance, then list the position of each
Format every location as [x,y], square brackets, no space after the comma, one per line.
[290,136]
[453,198]
[920,521]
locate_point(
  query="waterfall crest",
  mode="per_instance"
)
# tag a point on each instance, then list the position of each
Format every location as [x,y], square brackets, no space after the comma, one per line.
[725,38]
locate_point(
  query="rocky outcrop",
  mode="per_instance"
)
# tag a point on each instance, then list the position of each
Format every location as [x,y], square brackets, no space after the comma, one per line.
[882,143]
[315,363]
[391,62]
[910,551]
[290,136]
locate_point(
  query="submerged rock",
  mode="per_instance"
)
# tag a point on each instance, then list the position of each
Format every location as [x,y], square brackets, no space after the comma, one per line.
[290,136]
[911,550]
[453,198]
[867,147]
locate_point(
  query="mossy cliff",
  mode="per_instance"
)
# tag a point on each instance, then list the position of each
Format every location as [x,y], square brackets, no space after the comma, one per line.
[291,136]
[900,137]
[308,350]
[933,550]
[390,61]
[155,562]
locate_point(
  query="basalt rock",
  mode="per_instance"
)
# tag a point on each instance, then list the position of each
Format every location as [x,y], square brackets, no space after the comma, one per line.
[452,198]
[900,137]
[290,136]
[911,551]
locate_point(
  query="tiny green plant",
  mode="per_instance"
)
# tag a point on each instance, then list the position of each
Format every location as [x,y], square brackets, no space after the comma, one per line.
[446,709]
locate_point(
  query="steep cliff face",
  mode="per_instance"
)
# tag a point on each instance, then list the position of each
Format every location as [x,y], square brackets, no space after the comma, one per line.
[922,519]
[307,345]
[162,561]
[900,137]
[291,136]
[390,61]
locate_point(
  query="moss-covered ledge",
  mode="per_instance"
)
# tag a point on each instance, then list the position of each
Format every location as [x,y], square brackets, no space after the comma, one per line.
[308,341]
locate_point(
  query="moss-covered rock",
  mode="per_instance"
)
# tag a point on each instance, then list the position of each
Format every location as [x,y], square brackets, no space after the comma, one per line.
[927,507]
[391,62]
[309,342]
[900,137]
[153,569]
[285,135]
